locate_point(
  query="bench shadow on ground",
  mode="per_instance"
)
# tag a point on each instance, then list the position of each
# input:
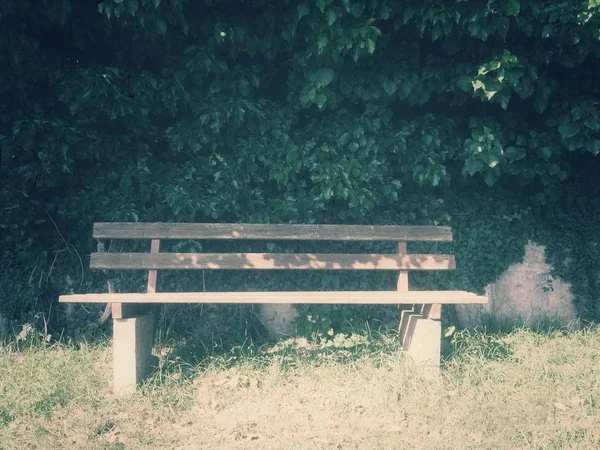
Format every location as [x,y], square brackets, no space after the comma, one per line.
[188,357]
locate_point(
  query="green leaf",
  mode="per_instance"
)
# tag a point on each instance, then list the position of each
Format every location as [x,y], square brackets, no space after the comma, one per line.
[320,100]
[385,12]
[331,16]
[303,10]
[490,178]
[389,86]
[594,147]
[407,87]
[321,4]
[568,130]
[545,152]
[515,153]
[370,46]
[513,7]
[161,27]
[575,143]
[504,98]
[324,76]
[472,166]
[436,32]
[133,6]
[322,42]
[478,84]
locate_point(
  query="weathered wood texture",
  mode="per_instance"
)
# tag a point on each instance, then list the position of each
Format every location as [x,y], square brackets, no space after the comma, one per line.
[402,284]
[127,310]
[284,297]
[153,274]
[269,261]
[125,230]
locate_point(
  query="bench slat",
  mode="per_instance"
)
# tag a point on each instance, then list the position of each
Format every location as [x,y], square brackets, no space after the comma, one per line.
[336,297]
[269,261]
[126,230]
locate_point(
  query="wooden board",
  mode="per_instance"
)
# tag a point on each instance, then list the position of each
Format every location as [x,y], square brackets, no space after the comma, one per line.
[269,261]
[402,283]
[337,297]
[153,274]
[136,230]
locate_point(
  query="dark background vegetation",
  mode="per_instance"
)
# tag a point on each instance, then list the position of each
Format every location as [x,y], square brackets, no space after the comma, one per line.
[482,115]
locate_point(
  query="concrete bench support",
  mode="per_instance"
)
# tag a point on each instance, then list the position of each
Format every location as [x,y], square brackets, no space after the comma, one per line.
[421,334]
[132,347]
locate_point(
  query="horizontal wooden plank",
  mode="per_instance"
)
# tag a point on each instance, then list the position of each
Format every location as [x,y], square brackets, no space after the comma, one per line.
[136,230]
[269,261]
[337,297]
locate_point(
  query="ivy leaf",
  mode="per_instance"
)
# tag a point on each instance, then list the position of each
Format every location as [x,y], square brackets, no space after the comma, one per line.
[303,10]
[504,98]
[545,152]
[324,76]
[436,32]
[320,100]
[321,4]
[370,46]
[472,166]
[385,12]
[389,87]
[575,143]
[161,27]
[322,42]
[513,7]
[490,178]
[133,7]
[515,153]
[478,84]
[331,16]
[594,147]
[407,87]
[568,130]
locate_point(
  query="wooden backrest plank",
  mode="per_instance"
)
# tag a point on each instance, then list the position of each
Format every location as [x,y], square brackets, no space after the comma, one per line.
[136,230]
[266,261]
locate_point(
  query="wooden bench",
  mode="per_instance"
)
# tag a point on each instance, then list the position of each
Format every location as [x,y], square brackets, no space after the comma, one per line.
[420,328]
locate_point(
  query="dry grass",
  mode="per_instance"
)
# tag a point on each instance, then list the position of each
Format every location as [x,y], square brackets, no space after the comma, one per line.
[512,391]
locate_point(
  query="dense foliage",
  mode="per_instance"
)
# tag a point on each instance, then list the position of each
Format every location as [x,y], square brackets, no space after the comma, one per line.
[480,114]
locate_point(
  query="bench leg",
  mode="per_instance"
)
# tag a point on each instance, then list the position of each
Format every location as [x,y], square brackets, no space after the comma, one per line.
[132,346]
[421,337]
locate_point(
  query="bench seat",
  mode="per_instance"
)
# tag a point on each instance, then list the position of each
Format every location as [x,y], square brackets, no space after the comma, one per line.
[286,297]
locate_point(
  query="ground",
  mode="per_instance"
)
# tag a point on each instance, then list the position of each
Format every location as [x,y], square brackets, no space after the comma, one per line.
[524,389]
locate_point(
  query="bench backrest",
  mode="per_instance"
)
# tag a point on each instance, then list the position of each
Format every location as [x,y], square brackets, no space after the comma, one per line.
[401,261]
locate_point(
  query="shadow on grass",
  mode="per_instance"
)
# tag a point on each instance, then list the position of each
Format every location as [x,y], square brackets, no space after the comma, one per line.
[185,358]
